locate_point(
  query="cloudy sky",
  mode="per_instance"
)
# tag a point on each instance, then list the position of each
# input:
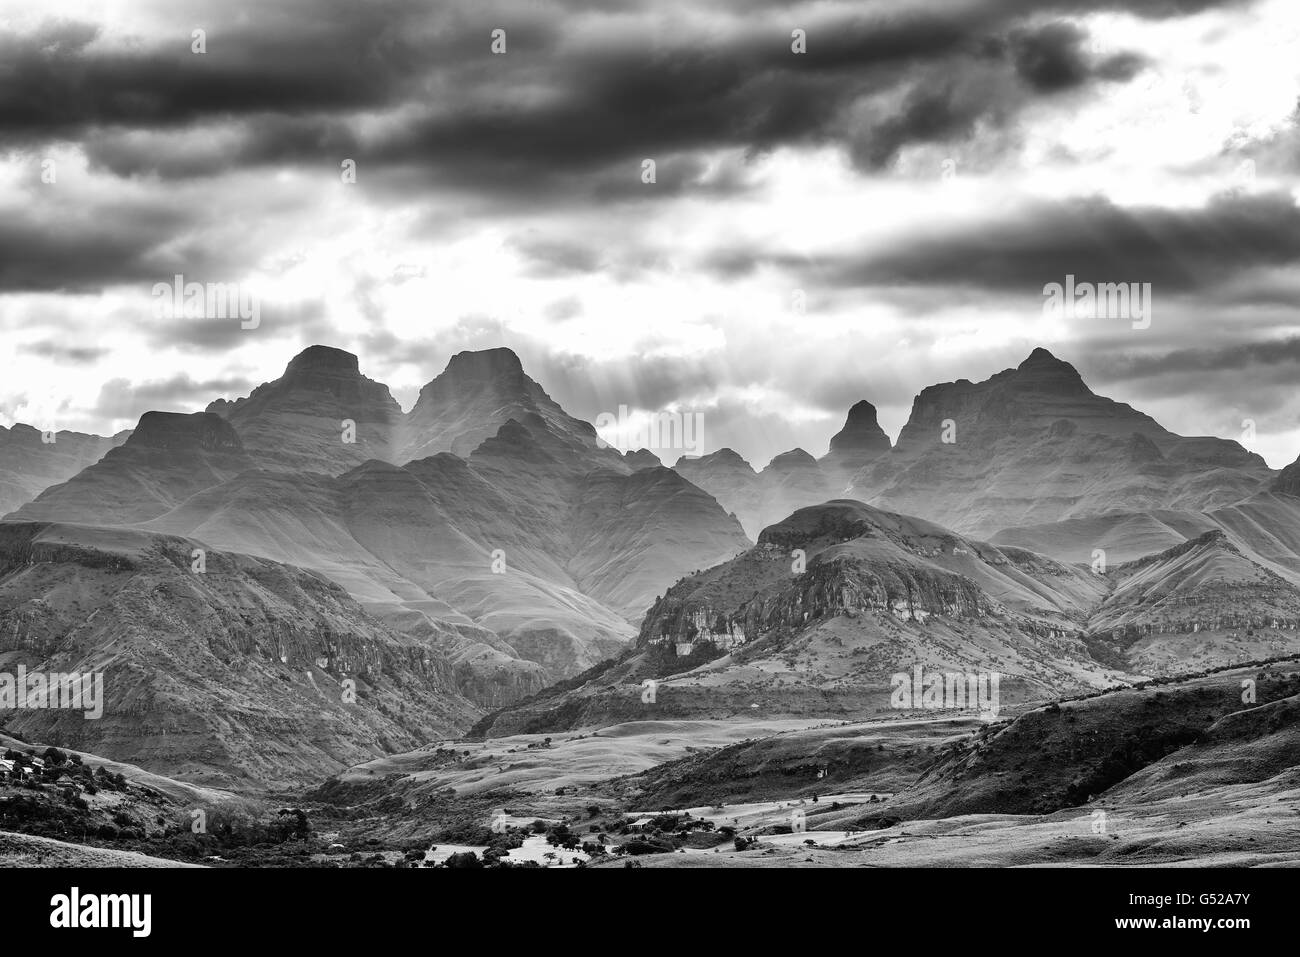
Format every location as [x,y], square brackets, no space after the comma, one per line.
[860,220]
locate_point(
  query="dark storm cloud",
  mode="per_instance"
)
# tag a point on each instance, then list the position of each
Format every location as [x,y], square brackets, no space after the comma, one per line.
[1096,241]
[931,113]
[947,101]
[1209,390]
[57,248]
[1276,357]
[565,100]
[283,57]
[412,92]
[1052,58]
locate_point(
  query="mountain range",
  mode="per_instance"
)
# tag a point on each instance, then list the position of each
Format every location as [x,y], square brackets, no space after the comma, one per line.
[489,550]
[1029,445]
[31,461]
[526,559]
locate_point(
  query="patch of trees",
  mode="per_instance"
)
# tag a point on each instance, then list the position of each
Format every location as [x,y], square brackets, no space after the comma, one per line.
[1132,754]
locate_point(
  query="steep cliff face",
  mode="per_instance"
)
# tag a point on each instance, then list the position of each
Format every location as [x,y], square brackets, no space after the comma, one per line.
[243,671]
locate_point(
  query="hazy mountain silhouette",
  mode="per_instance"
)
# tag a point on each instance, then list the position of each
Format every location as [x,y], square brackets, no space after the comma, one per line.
[29,464]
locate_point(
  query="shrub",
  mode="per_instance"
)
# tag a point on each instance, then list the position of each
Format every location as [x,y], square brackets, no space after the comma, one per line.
[464,859]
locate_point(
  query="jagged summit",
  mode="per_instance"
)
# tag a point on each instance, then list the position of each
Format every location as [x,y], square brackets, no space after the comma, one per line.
[855,446]
[1014,450]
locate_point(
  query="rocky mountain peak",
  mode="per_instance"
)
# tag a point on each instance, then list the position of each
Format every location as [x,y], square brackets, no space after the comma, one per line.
[1043,372]
[794,460]
[473,397]
[324,359]
[484,364]
[836,520]
[495,372]
[861,432]
[179,431]
[642,459]
[724,458]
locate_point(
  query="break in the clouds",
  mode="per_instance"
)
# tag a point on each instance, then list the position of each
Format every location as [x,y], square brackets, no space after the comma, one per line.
[847,200]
